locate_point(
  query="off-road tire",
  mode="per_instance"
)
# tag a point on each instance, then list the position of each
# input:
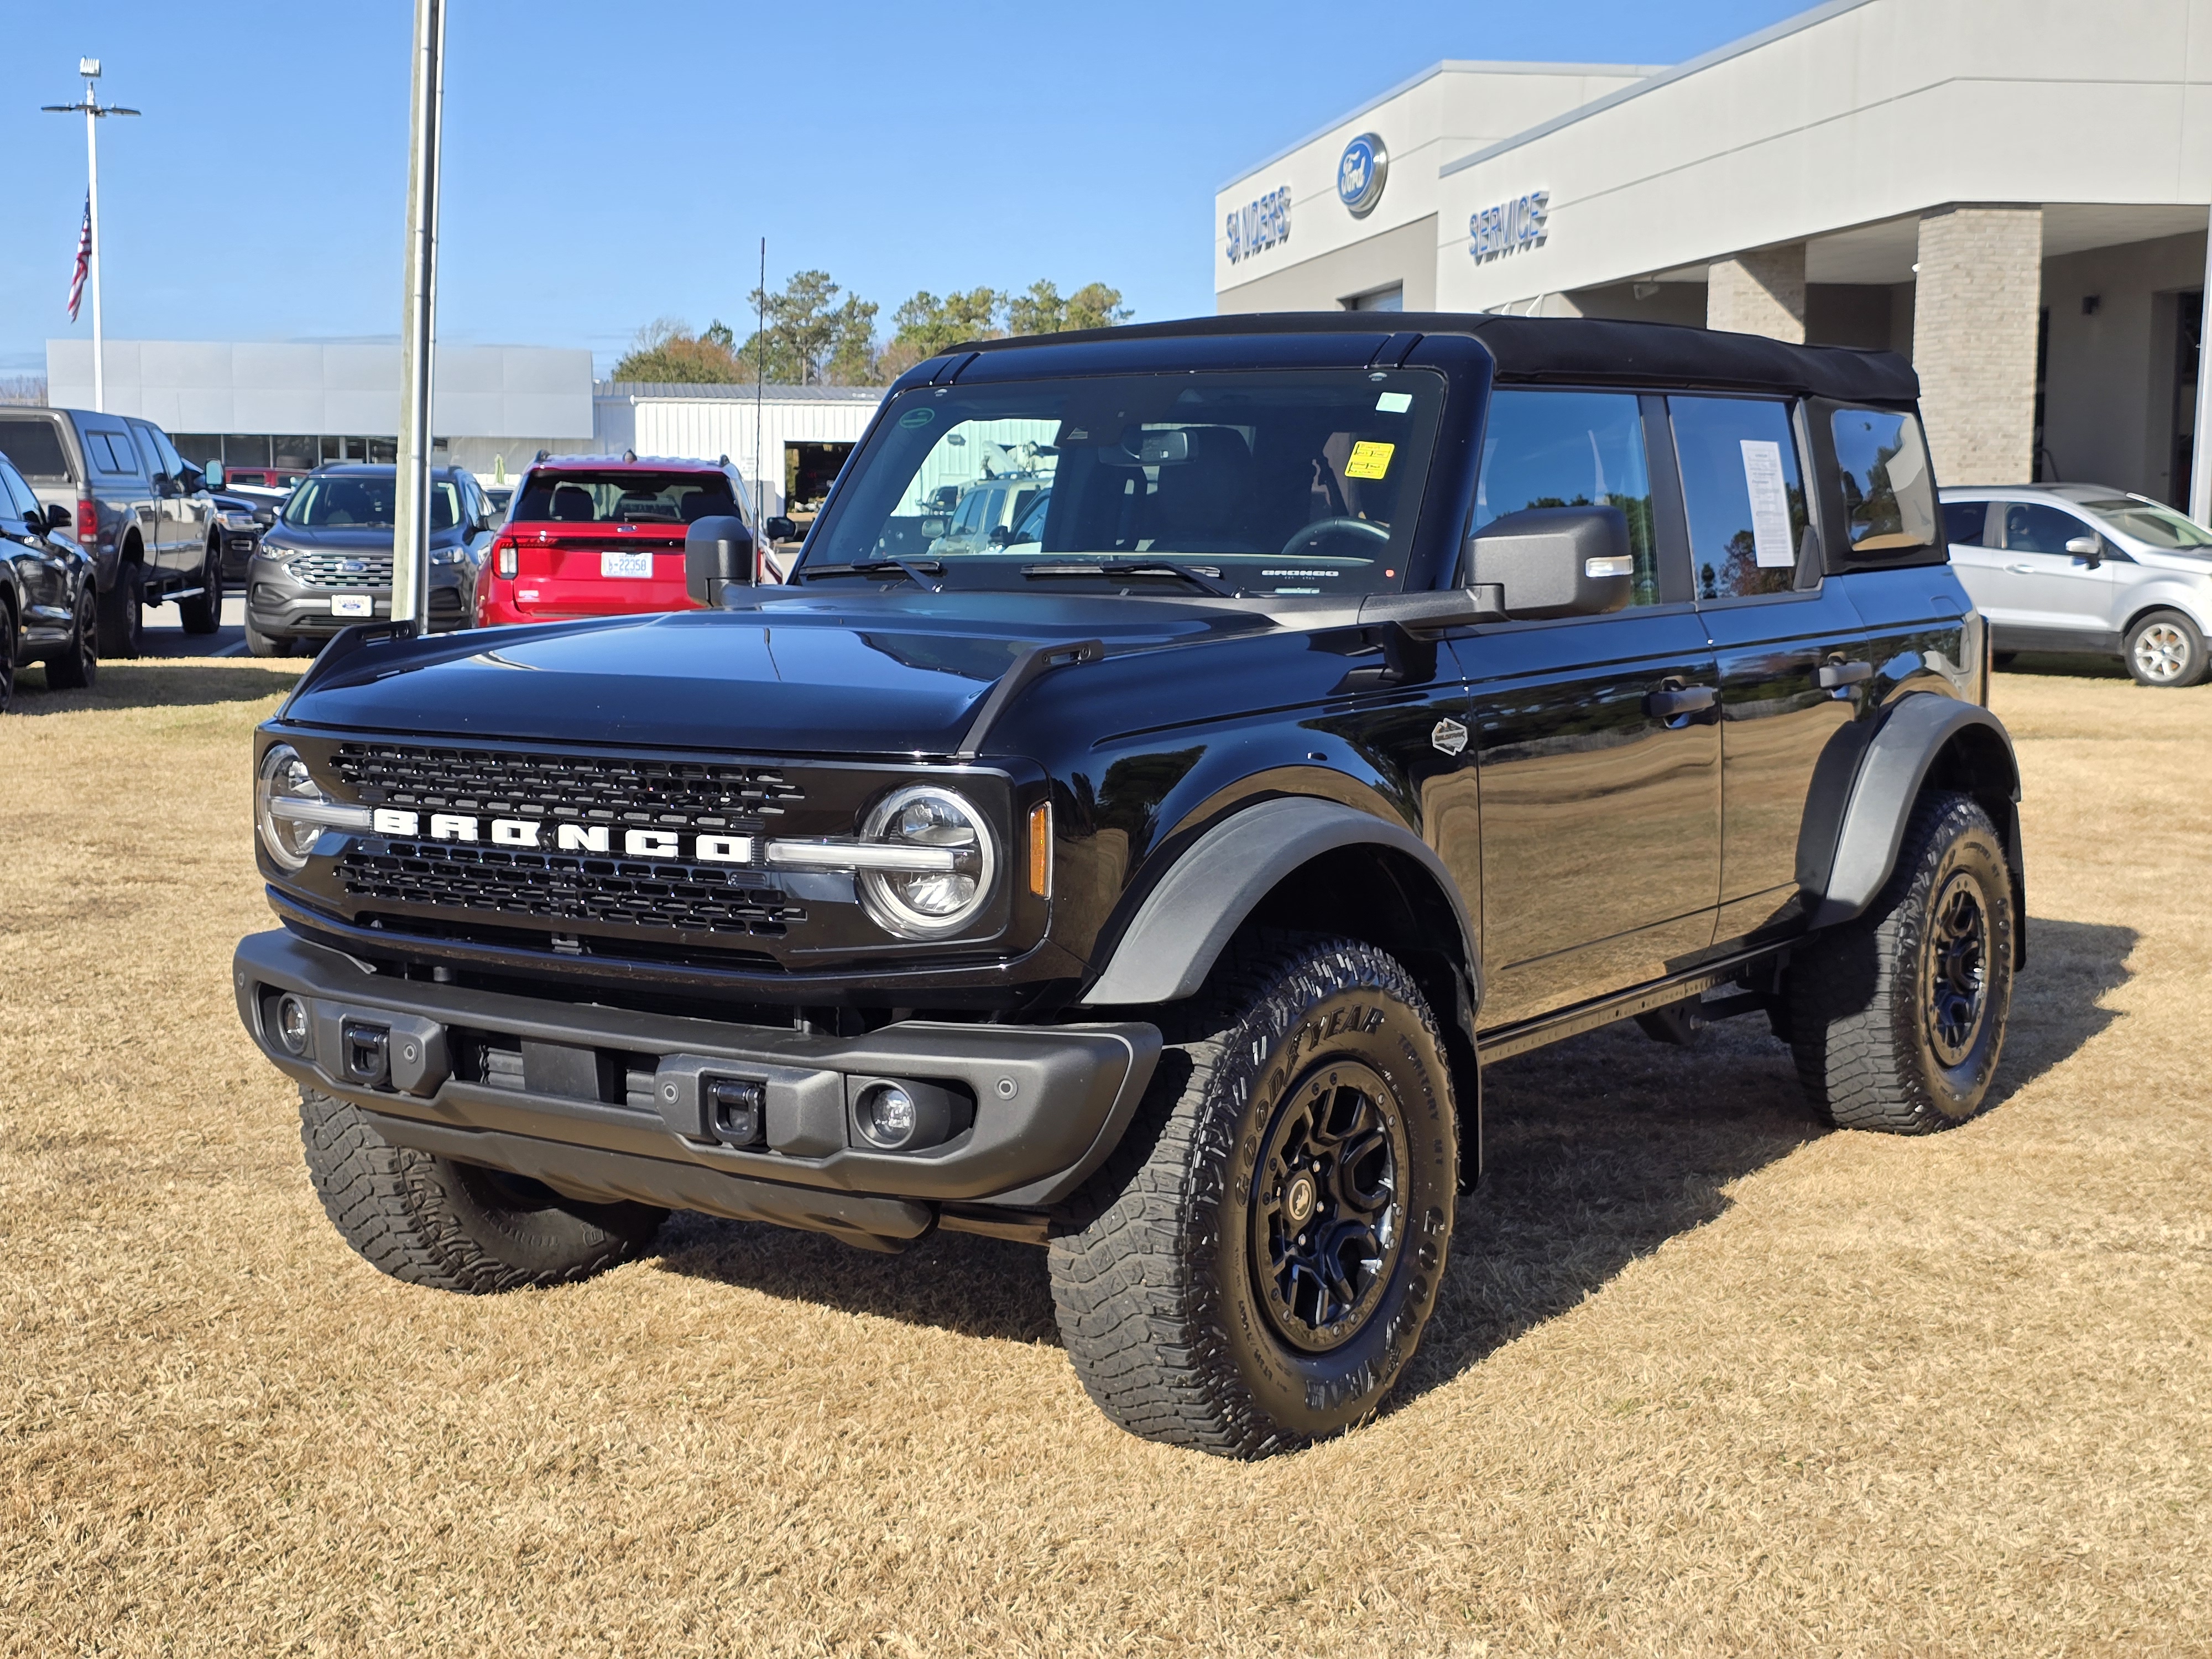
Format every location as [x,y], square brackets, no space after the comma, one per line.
[123,613]
[76,665]
[204,614]
[259,644]
[429,1220]
[2164,650]
[1156,1277]
[1863,1015]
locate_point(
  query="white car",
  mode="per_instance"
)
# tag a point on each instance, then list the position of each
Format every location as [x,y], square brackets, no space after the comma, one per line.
[2081,567]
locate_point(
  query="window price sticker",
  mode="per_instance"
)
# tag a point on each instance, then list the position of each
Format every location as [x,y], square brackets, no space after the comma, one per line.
[1770,504]
[1370,461]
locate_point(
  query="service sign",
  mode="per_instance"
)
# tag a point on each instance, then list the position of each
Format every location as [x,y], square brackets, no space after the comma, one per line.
[1360,173]
[1258,226]
[1511,226]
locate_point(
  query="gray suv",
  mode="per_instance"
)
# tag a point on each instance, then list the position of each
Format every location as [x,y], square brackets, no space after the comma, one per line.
[140,510]
[327,562]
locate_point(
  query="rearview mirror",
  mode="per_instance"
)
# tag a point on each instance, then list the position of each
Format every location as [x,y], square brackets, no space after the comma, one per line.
[1555,560]
[718,554]
[781,529]
[213,473]
[2086,546]
[59,517]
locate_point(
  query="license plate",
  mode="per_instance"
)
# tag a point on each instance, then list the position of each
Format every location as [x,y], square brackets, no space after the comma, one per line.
[352,604]
[625,564]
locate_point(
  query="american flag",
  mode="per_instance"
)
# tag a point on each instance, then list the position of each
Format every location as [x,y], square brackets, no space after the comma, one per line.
[83,261]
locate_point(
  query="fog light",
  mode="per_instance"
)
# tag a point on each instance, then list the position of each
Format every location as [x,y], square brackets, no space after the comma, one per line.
[292,1024]
[887,1116]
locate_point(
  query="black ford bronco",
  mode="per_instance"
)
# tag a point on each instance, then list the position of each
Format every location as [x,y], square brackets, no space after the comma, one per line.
[1152,882]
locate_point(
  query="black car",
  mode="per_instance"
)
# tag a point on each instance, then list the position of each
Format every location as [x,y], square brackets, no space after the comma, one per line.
[1371,702]
[241,520]
[326,563]
[49,601]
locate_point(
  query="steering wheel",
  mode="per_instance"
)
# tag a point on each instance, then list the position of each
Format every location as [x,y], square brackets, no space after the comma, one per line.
[1322,529]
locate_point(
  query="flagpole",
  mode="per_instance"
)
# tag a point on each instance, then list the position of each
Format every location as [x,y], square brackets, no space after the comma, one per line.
[94,109]
[92,208]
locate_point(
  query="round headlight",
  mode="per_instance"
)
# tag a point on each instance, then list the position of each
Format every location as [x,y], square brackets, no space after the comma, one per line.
[285,776]
[953,863]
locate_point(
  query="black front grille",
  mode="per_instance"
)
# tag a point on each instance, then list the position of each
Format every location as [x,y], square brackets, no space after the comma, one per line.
[601,892]
[591,788]
[328,569]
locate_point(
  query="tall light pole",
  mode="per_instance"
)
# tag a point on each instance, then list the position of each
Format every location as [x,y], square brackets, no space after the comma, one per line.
[94,110]
[410,541]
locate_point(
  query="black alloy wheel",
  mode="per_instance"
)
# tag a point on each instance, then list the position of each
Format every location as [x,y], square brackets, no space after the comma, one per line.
[1329,1219]
[1898,1018]
[77,664]
[122,612]
[1955,969]
[1254,1266]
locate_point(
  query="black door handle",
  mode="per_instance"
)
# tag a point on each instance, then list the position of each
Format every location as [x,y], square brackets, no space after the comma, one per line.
[1671,700]
[1834,676]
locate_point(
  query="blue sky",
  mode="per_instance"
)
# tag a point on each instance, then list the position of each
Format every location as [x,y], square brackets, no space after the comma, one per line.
[605,164]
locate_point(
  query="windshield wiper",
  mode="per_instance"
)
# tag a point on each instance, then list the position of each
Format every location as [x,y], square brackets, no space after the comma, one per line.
[919,571]
[1201,576]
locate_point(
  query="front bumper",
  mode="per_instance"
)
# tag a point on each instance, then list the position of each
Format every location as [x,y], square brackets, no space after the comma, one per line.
[593,1101]
[280,603]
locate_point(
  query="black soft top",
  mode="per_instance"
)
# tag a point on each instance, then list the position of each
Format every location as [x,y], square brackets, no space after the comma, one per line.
[1573,349]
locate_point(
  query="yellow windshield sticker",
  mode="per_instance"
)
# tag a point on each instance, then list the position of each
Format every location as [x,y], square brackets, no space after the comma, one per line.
[1370,461]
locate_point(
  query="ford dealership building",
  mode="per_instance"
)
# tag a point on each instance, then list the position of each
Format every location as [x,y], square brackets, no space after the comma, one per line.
[2013,193]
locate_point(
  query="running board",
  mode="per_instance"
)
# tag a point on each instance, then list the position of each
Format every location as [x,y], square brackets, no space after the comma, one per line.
[1506,1041]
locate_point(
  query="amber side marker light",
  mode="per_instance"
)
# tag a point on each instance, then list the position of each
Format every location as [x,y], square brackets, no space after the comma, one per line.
[1040,849]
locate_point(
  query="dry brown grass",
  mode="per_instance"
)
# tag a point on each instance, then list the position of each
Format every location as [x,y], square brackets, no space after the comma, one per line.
[1703,1379]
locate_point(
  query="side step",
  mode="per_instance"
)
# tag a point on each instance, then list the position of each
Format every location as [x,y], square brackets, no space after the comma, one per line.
[1503,1042]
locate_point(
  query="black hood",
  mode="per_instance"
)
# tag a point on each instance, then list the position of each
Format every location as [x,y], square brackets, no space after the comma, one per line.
[888,675]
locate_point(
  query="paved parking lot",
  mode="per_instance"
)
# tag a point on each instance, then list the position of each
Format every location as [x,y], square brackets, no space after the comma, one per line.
[1704,1377]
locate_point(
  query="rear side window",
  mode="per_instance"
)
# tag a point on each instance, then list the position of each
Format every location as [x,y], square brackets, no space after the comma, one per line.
[35,447]
[565,497]
[148,451]
[1963,521]
[1570,449]
[1743,492]
[1889,499]
[110,453]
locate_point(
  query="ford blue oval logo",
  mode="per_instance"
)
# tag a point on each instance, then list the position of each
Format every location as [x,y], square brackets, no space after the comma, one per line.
[351,565]
[1360,172]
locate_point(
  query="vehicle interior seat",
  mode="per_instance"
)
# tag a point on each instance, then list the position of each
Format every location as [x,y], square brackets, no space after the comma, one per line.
[1204,504]
[572,504]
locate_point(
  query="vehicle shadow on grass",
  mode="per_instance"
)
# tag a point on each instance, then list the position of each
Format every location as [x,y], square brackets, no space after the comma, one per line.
[1600,1149]
[1597,1151]
[155,682]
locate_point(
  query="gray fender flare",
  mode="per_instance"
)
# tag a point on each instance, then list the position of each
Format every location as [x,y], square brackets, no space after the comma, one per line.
[1870,828]
[1181,927]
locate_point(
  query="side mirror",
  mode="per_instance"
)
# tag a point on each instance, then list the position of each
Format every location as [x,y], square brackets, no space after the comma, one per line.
[781,529]
[718,553]
[934,527]
[213,473]
[2087,547]
[59,517]
[1555,560]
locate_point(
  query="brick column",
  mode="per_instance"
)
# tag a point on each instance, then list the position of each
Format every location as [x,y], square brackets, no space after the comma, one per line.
[1973,340]
[1761,292]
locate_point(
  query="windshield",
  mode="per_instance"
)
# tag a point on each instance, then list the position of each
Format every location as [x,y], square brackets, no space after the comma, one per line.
[356,500]
[1273,482]
[2159,526]
[622,497]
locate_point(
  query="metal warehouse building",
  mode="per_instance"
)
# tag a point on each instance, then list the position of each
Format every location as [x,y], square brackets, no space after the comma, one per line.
[2014,193]
[791,438]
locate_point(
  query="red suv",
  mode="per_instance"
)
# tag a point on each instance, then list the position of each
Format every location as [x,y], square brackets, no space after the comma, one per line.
[596,536]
